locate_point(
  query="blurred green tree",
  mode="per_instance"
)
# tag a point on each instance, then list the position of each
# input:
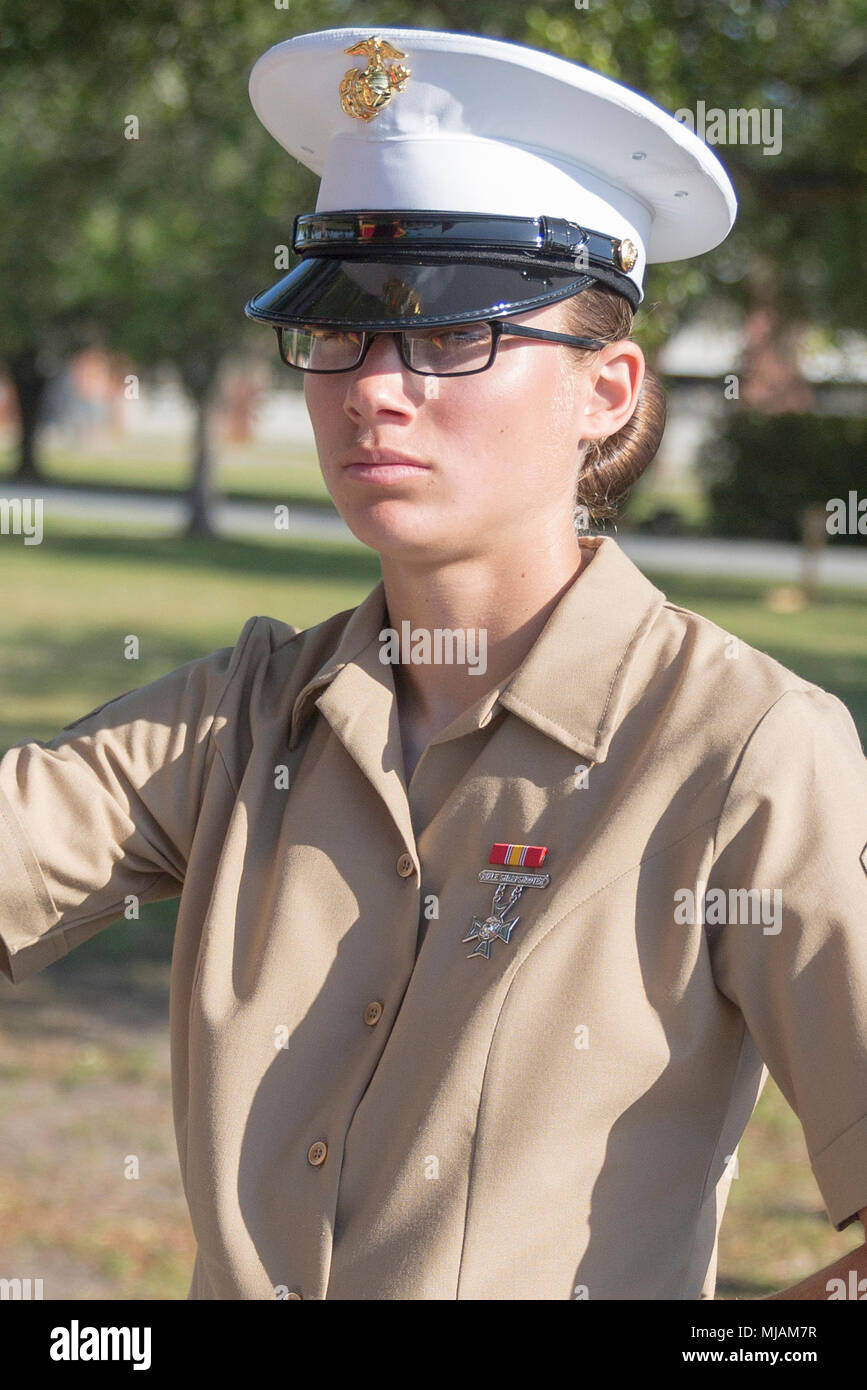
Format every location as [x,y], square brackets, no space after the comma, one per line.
[152,237]
[56,153]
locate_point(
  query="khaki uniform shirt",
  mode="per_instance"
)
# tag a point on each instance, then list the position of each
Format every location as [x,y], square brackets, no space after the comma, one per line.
[365,1110]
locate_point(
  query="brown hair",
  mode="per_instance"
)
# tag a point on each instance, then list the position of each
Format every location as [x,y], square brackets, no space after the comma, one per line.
[611,466]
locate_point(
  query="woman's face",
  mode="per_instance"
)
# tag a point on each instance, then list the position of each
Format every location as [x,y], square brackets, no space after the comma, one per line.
[499,449]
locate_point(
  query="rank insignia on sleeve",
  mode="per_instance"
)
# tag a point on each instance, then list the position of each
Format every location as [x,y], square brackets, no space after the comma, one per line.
[486,930]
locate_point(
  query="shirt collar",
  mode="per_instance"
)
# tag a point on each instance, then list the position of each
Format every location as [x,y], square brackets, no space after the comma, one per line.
[361,631]
[571,683]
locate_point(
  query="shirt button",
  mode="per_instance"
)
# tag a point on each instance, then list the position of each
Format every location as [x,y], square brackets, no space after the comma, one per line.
[405,865]
[373,1012]
[316,1153]
[293,1294]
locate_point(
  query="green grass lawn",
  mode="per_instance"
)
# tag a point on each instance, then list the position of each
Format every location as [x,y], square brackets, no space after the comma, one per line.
[70,603]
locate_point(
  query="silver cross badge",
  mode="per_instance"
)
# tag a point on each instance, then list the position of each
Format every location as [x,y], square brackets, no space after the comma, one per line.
[489,929]
[486,930]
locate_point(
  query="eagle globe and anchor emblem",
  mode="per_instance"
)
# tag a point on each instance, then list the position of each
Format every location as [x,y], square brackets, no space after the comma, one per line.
[364,92]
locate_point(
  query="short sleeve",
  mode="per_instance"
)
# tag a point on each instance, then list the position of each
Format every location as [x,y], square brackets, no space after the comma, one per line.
[794,824]
[106,809]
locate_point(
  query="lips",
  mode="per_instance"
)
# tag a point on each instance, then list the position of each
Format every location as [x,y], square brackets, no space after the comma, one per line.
[384,467]
[384,456]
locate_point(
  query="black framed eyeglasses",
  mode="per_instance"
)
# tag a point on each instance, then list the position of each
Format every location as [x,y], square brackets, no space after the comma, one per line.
[455,350]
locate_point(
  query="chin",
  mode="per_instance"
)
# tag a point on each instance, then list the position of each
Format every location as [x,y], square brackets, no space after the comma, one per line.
[401,532]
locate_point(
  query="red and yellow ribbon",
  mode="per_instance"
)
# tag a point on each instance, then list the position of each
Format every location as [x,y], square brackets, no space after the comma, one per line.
[526,856]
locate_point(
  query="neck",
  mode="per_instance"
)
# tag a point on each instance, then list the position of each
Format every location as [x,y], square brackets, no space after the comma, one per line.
[499,606]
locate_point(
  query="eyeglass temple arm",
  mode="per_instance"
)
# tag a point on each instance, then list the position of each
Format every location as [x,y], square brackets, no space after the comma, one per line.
[521,332]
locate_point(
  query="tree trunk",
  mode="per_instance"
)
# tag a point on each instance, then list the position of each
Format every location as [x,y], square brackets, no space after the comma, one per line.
[30,383]
[202,487]
[199,374]
[772,378]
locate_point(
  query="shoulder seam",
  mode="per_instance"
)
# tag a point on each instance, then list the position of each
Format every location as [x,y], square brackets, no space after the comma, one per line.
[293,636]
[806,689]
[797,682]
[235,660]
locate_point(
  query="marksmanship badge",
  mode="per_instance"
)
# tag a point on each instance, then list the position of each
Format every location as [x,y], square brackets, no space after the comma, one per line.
[485,930]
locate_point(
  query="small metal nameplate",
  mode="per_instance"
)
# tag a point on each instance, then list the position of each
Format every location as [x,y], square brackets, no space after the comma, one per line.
[504,876]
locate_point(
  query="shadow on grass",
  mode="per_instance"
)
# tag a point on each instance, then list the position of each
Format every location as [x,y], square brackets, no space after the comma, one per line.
[319,559]
[798,1216]
[688,590]
[286,496]
[736,1289]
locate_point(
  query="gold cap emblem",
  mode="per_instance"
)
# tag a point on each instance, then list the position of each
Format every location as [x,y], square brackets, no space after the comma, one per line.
[364,92]
[627,254]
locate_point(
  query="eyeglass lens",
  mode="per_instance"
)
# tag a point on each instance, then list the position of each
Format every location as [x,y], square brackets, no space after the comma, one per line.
[440,352]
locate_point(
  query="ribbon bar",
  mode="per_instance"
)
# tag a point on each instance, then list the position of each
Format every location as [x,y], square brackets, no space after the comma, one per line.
[525,856]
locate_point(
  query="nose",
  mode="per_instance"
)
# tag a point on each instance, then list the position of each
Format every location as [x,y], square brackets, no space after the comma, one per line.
[382,382]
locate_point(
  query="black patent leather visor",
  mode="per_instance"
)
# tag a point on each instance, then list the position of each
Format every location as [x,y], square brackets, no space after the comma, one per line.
[381,269]
[333,292]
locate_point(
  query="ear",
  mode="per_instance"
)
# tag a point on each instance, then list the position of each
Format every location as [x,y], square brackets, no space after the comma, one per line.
[614,387]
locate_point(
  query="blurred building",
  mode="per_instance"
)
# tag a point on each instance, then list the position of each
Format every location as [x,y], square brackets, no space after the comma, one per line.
[708,366]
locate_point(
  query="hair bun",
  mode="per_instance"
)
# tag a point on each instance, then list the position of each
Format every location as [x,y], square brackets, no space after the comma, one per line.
[614,464]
